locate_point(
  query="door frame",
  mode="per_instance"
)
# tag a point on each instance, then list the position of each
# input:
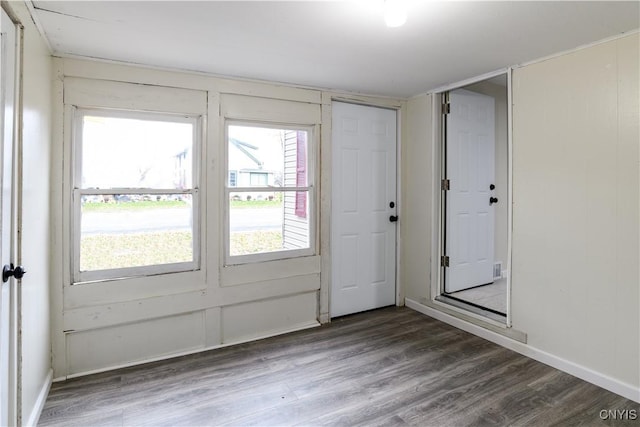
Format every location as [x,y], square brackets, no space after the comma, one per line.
[399,105]
[438,201]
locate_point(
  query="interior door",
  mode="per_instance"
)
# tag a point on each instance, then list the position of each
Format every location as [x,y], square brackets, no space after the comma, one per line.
[470,211]
[8,309]
[363,227]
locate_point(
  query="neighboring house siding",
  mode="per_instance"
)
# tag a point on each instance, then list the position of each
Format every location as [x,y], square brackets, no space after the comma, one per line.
[295,230]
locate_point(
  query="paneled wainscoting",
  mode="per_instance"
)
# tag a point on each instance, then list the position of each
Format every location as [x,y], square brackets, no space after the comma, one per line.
[392,366]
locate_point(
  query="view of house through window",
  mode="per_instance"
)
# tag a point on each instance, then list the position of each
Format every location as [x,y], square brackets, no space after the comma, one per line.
[134,191]
[268,191]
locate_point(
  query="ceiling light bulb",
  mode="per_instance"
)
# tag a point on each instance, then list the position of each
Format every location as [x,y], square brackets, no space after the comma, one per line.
[395,13]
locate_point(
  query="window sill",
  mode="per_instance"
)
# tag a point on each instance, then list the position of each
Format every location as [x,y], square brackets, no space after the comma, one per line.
[109,291]
[240,274]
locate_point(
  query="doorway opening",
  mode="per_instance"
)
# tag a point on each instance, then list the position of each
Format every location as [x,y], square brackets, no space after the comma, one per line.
[475,198]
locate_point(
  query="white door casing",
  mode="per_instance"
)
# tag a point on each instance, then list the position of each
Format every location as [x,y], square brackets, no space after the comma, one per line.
[363,239]
[470,164]
[8,309]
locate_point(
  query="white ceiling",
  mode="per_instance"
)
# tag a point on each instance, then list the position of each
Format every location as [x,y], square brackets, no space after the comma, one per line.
[342,45]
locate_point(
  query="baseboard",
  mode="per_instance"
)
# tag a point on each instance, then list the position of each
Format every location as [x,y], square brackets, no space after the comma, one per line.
[34,416]
[608,383]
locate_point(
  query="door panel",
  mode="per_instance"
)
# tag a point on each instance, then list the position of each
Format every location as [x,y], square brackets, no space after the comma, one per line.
[470,218]
[8,309]
[364,184]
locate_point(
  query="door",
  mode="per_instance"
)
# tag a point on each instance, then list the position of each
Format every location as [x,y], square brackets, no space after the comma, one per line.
[8,309]
[363,227]
[470,169]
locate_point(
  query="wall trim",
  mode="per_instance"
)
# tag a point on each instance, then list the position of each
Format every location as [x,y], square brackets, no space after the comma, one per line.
[578,48]
[471,80]
[608,383]
[36,21]
[34,416]
[219,78]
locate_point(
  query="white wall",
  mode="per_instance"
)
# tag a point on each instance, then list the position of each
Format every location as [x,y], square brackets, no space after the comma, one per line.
[575,237]
[36,143]
[416,233]
[575,278]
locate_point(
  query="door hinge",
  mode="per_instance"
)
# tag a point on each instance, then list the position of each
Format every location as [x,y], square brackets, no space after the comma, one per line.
[445,185]
[446,108]
[444,261]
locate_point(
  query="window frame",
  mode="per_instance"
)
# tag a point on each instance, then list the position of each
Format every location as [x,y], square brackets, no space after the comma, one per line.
[309,189]
[77,192]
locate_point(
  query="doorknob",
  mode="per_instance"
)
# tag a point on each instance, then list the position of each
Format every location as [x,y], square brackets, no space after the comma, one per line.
[8,270]
[393,218]
[493,200]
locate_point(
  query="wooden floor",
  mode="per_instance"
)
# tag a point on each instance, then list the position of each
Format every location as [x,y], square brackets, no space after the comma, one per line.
[386,367]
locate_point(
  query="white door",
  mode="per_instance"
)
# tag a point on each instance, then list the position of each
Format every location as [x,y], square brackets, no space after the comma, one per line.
[363,231]
[8,312]
[470,216]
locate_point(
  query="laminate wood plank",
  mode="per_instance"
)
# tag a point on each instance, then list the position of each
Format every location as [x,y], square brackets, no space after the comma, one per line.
[388,360]
[387,367]
[104,419]
[484,394]
[210,406]
[442,389]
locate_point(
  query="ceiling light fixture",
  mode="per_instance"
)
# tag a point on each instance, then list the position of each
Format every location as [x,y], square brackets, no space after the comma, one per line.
[395,13]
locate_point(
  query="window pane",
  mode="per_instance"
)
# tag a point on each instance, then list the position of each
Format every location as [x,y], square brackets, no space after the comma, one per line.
[266,221]
[129,230]
[258,179]
[133,153]
[267,157]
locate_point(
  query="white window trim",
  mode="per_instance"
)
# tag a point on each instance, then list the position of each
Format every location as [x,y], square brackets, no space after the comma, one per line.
[80,277]
[312,132]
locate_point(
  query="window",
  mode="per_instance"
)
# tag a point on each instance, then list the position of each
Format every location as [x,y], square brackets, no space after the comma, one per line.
[268,208]
[135,194]
[258,179]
